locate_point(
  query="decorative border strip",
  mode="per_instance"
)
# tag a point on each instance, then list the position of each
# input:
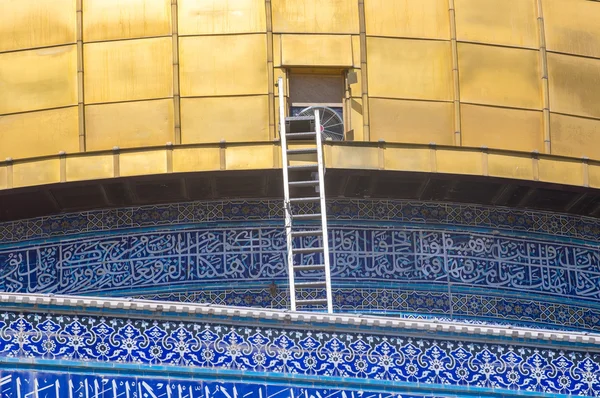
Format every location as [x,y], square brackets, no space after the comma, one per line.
[280,343]
[239,315]
[414,304]
[571,226]
[176,258]
[148,382]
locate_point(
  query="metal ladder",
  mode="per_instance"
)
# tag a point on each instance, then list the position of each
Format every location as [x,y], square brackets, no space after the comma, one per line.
[305,275]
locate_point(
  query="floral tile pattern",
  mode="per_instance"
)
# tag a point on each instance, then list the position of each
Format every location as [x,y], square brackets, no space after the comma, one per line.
[395,358]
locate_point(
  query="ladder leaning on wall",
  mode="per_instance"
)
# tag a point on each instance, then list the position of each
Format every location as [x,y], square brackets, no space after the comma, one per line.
[305,213]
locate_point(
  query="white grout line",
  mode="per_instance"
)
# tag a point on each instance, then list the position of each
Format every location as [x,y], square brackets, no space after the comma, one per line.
[299,316]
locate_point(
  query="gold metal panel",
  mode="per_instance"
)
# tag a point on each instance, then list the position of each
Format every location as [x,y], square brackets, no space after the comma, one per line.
[574,85]
[196,159]
[356,51]
[575,136]
[316,50]
[128,70]
[244,157]
[519,130]
[239,66]
[233,119]
[296,160]
[356,119]
[3,177]
[125,19]
[420,122]
[315,16]
[499,76]
[510,166]
[594,175]
[276,51]
[38,79]
[561,171]
[506,22]
[201,17]
[34,23]
[142,163]
[129,124]
[40,133]
[36,172]
[400,68]
[408,159]
[572,27]
[458,161]
[428,19]
[89,167]
[351,157]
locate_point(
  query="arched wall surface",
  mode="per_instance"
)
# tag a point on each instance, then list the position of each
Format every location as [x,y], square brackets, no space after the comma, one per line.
[91,75]
[416,259]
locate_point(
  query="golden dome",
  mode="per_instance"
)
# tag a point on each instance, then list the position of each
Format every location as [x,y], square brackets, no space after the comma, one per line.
[81,77]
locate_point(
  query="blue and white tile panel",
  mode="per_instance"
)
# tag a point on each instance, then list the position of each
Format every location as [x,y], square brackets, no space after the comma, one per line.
[457,215]
[451,356]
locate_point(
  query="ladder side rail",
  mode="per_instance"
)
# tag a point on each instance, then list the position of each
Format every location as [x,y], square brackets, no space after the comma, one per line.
[286,195]
[321,171]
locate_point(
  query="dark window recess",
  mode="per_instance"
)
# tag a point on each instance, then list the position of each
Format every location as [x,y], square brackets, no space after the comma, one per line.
[309,92]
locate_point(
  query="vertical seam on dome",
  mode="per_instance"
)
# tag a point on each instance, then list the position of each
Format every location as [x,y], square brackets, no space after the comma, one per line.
[455,80]
[544,70]
[176,95]
[270,70]
[80,81]
[363,69]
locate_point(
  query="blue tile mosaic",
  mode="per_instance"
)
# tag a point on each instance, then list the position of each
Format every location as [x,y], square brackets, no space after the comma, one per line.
[391,268]
[468,262]
[400,254]
[484,309]
[57,385]
[389,357]
[570,226]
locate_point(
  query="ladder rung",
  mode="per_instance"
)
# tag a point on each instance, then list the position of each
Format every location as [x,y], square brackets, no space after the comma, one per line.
[296,136]
[301,151]
[306,216]
[312,302]
[310,285]
[314,232]
[302,167]
[310,183]
[308,267]
[304,250]
[304,200]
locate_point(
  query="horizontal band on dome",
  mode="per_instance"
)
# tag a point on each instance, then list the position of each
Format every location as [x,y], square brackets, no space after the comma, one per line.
[389,324]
